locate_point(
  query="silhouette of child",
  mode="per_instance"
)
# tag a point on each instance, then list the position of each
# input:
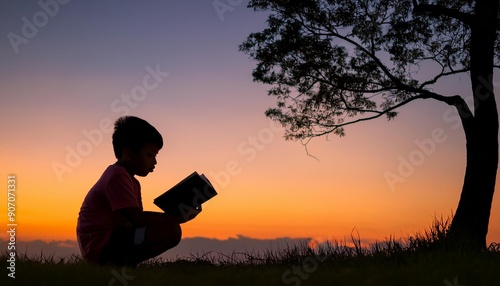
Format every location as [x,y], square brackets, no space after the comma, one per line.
[112,226]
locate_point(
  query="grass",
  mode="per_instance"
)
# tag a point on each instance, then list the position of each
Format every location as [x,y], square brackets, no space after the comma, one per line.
[420,259]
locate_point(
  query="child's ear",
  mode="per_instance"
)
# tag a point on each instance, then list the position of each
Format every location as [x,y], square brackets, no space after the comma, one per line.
[127,153]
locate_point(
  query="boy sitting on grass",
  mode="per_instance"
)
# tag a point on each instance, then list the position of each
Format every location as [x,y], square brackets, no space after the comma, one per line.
[112,226]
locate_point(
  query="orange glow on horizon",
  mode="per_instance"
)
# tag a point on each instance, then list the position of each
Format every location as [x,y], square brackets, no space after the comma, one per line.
[237,212]
[268,187]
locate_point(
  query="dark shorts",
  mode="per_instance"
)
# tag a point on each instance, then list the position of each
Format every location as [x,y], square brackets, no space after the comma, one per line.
[124,247]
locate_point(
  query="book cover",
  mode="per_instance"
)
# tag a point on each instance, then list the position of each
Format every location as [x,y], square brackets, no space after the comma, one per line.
[186,196]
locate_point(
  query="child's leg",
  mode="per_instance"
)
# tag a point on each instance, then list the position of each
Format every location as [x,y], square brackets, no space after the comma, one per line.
[158,239]
[131,246]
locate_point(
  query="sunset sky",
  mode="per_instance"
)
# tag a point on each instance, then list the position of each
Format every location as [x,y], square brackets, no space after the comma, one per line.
[66,81]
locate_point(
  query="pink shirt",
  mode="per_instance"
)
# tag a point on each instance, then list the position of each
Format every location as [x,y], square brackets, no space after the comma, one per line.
[115,190]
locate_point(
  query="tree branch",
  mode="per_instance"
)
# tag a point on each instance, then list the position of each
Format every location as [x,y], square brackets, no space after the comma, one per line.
[438,10]
[324,80]
[379,63]
[336,126]
[443,74]
[456,101]
[333,32]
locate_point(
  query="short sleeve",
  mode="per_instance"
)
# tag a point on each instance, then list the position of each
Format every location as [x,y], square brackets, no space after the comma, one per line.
[123,192]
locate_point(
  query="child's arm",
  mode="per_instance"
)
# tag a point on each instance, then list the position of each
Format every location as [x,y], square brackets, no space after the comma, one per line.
[139,218]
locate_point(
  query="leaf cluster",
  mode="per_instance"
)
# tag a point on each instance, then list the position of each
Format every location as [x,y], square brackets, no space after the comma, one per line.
[332,63]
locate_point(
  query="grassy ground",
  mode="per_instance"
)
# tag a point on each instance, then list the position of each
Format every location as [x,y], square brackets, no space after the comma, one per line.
[420,260]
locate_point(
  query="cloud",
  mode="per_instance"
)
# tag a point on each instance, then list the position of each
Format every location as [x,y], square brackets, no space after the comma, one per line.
[188,247]
[60,248]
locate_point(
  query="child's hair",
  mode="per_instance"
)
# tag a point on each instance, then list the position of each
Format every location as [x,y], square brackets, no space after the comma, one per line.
[134,132]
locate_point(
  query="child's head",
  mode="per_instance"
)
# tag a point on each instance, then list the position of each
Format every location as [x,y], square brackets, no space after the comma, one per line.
[136,143]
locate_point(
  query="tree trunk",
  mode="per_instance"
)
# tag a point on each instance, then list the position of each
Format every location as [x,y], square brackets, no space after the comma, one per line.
[470,223]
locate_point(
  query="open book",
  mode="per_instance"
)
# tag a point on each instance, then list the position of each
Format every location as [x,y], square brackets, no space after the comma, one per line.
[186,196]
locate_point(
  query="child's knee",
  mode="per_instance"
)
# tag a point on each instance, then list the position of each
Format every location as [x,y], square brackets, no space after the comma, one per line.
[172,234]
[177,233]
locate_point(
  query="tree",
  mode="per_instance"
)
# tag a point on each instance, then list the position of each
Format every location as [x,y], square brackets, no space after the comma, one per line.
[333,63]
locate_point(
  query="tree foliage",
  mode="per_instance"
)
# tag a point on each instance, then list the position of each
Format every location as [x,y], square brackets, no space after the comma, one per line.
[332,63]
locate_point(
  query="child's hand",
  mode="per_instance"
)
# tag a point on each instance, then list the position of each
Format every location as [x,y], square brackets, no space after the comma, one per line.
[195,213]
[189,215]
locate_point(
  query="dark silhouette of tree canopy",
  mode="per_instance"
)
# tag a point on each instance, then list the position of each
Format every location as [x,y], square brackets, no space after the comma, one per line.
[340,62]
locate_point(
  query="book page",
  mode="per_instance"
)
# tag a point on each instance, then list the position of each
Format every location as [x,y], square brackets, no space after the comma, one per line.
[206,180]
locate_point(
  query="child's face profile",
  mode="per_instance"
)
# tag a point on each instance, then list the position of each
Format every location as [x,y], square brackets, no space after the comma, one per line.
[143,161]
